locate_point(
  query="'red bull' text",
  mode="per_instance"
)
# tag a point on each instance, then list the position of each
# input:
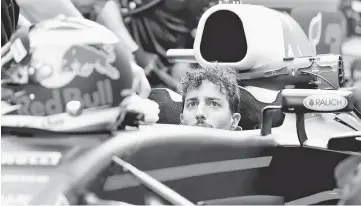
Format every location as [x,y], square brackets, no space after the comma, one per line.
[102,95]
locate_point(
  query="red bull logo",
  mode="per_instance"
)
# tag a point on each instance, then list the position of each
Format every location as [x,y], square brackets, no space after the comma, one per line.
[63,64]
[82,60]
[102,95]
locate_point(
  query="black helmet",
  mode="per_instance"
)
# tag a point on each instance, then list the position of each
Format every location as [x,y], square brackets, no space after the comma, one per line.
[64,61]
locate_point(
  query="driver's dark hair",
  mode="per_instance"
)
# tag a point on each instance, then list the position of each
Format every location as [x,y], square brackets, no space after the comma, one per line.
[224,78]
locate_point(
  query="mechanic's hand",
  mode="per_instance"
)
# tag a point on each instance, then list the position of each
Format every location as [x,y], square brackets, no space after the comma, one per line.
[146,60]
[140,82]
[147,107]
[152,64]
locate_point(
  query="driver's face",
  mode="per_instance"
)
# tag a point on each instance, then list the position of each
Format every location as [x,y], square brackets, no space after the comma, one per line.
[206,106]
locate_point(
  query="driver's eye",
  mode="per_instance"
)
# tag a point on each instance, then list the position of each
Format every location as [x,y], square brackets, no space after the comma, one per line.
[191,104]
[215,104]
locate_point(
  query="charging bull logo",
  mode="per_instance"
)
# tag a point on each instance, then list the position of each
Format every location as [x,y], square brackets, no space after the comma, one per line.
[79,60]
[82,60]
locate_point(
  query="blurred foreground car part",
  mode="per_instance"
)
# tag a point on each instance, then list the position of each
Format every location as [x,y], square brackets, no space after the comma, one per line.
[348,176]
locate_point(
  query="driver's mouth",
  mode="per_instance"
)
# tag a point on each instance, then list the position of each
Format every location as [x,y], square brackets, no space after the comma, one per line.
[203,125]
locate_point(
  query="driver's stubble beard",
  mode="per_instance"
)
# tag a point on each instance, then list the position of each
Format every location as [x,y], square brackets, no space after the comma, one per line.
[202,123]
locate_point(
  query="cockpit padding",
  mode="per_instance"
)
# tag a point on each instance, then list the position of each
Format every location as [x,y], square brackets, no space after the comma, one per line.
[250,110]
[170,109]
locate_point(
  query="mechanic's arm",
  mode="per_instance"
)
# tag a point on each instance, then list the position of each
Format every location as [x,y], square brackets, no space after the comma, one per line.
[109,16]
[23,22]
[39,10]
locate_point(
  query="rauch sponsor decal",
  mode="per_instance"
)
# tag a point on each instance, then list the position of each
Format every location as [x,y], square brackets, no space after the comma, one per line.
[325,102]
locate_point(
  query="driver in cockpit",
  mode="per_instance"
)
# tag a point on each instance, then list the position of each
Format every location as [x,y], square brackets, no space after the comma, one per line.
[210,99]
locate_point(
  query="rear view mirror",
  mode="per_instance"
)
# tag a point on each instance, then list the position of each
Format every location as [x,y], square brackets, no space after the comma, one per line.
[346,142]
[320,101]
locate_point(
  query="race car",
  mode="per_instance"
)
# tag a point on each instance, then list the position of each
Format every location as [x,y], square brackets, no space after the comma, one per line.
[204,166]
[289,159]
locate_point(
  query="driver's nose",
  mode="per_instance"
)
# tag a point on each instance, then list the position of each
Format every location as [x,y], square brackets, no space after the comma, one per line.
[200,114]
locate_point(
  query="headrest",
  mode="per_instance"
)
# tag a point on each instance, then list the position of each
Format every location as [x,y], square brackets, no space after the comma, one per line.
[251,107]
[170,105]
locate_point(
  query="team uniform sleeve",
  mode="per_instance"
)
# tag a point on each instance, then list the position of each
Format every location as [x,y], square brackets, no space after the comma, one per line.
[90,8]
